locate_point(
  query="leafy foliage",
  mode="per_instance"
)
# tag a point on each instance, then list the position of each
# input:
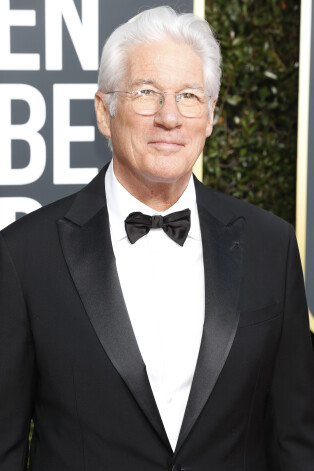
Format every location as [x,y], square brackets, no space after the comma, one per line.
[252,151]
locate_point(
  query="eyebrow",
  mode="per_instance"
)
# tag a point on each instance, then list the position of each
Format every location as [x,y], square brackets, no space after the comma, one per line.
[143,82]
[193,85]
[152,82]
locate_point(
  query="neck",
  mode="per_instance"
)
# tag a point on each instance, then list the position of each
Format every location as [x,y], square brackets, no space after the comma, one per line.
[158,195]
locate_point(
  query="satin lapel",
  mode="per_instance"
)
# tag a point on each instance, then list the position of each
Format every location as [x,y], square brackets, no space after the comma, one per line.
[223,252]
[88,252]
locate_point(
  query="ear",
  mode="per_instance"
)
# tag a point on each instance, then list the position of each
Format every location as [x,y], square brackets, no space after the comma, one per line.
[102,114]
[210,121]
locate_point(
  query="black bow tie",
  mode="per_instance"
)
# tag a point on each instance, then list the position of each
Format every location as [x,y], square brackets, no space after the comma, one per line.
[176,225]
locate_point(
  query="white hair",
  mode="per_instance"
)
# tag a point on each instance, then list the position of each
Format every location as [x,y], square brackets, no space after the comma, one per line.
[158,24]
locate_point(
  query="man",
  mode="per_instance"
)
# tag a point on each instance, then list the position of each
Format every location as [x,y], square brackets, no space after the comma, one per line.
[147,322]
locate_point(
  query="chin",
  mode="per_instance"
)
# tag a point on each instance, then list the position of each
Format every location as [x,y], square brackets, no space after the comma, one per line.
[166,175]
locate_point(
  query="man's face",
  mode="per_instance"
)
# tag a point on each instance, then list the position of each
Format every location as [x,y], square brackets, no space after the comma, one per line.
[164,147]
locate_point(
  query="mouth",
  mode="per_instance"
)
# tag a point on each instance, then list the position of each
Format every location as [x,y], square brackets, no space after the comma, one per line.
[164,144]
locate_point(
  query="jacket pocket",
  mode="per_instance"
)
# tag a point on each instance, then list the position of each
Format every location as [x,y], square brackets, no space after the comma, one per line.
[258,316]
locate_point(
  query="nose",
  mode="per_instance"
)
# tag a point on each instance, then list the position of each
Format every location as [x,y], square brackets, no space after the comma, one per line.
[168,116]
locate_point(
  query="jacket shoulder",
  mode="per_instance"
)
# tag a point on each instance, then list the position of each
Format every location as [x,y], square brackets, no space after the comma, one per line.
[262,227]
[37,224]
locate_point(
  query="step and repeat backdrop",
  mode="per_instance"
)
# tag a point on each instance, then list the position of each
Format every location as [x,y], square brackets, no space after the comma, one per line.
[49,143]
[49,56]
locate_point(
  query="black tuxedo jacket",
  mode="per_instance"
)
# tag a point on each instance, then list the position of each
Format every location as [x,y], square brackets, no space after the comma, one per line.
[69,358]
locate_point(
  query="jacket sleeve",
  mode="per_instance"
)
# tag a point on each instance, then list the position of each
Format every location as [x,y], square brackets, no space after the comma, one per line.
[17,370]
[291,399]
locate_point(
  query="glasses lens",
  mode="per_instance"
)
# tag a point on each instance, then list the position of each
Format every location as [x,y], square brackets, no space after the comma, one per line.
[190,104]
[146,102]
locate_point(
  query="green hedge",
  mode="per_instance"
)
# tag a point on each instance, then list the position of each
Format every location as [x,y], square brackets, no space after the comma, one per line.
[252,151]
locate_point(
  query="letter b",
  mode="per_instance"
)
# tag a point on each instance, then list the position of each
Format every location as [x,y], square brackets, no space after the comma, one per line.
[27,132]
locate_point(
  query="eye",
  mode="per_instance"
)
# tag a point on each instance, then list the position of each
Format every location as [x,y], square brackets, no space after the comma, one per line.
[145,92]
[188,96]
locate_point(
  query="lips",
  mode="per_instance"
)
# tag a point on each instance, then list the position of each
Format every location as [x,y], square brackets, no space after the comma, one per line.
[163,142]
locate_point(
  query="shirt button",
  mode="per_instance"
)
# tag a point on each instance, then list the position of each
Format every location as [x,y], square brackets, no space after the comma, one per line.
[169,400]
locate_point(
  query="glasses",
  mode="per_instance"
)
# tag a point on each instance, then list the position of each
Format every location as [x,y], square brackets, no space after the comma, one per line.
[147,102]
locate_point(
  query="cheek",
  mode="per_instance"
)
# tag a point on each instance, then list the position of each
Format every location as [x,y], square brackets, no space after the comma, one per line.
[138,125]
[199,135]
[140,134]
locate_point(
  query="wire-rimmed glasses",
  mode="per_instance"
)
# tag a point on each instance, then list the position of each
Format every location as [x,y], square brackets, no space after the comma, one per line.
[147,102]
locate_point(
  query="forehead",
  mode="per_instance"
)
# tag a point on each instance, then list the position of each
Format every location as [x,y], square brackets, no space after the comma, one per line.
[166,64]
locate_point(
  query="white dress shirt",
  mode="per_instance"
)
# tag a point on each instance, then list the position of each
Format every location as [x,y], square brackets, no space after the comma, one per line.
[163,288]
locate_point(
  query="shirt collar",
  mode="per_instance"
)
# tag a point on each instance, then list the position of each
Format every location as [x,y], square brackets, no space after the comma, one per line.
[121,203]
